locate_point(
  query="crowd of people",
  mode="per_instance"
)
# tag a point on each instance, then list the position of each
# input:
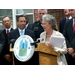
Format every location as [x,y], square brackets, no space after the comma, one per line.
[45,27]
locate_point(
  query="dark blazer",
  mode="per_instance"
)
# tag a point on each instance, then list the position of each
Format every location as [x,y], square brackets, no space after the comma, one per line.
[70,40]
[62,24]
[34,59]
[29,26]
[16,33]
[6,50]
[2,42]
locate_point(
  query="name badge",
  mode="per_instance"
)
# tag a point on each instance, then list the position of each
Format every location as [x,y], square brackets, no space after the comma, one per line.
[35,27]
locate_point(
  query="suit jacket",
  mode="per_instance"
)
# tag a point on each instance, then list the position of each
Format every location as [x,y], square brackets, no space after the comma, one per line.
[70,37]
[6,48]
[2,42]
[62,24]
[61,60]
[29,26]
[16,33]
[34,60]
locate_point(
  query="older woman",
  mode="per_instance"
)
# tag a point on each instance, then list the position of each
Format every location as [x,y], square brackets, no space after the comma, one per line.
[48,24]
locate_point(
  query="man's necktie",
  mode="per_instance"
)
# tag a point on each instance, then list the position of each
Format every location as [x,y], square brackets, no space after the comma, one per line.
[67,18]
[7,33]
[74,27]
[22,32]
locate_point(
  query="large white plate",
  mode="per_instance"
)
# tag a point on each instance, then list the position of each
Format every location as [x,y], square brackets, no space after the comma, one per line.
[23,51]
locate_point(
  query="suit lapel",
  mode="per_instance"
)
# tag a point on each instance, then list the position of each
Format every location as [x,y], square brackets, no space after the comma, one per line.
[26,32]
[11,29]
[17,32]
[65,19]
[71,28]
[5,33]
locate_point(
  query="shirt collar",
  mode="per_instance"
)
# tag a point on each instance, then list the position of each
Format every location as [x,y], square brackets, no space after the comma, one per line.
[68,18]
[8,29]
[20,30]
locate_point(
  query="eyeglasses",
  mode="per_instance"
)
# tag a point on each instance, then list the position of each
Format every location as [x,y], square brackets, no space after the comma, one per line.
[44,24]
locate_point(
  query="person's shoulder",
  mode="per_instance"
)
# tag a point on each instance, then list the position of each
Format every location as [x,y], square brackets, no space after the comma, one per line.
[69,21]
[29,30]
[43,33]
[63,19]
[36,25]
[0,31]
[57,33]
[3,30]
[36,22]
[13,31]
[62,22]
[30,33]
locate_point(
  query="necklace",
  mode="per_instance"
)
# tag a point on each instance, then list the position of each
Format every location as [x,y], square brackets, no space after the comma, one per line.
[48,35]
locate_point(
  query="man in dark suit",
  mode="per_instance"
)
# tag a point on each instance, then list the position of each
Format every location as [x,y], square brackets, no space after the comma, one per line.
[6,53]
[28,26]
[69,33]
[2,42]
[21,22]
[63,21]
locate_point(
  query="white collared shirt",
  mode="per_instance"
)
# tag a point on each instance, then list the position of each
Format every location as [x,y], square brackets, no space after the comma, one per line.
[8,29]
[20,31]
[69,18]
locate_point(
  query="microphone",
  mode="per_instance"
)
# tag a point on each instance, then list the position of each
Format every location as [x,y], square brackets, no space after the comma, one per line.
[39,40]
[35,42]
[12,41]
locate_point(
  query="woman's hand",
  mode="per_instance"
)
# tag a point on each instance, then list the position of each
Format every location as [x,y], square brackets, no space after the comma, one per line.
[49,45]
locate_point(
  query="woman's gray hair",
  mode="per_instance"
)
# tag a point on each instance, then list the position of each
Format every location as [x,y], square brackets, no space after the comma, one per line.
[51,20]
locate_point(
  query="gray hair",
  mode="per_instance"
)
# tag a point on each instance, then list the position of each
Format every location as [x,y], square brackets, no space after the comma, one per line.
[42,9]
[51,20]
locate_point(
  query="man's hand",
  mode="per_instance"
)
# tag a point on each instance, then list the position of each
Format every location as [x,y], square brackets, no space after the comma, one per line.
[70,50]
[73,54]
[7,57]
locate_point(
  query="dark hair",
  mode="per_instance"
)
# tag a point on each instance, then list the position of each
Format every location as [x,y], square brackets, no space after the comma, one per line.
[17,19]
[3,18]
